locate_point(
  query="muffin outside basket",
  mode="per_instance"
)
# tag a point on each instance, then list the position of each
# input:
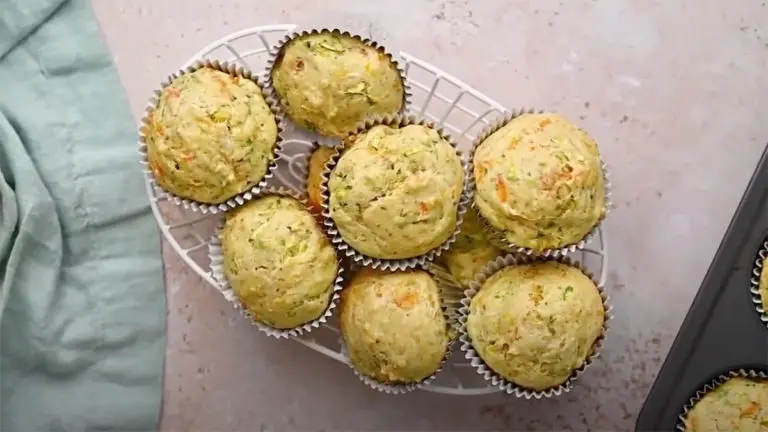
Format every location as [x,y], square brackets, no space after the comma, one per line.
[451,316]
[483,369]
[393,264]
[243,196]
[715,383]
[276,53]
[497,236]
[216,256]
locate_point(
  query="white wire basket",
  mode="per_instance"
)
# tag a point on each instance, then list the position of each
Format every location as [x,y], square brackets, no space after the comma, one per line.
[449,102]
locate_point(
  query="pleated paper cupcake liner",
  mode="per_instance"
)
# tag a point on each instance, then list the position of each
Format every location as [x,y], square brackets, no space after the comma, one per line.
[361,259]
[251,191]
[451,289]
[715,383]
[489,374]
[761,305]
[451,316]
[277,51]
[222,284]
[497,236]
[316,206]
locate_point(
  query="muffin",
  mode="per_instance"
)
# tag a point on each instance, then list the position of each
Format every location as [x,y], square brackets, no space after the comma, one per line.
[211,136]
[471,251]
[763,287]
[328,82]
[535,324]
[317,162]
[739,404]
[394,192]
[278,261]
[540,182]
[393,326]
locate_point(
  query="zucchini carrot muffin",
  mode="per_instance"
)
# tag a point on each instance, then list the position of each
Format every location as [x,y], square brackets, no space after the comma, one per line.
[328,82]
[739,404]
[317,162]
[535,324]
[540,182]
[393,326]
[278,261]
[211,136]
[471,251]
[394,192]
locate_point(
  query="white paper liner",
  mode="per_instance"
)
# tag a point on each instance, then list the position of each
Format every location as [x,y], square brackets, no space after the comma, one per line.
[754,283]
[497,236]
[720,380]
[452,289]
[483,369]
[243,196]
[299,31]
[394,264]
[305,187]
[217,271]
[451,318]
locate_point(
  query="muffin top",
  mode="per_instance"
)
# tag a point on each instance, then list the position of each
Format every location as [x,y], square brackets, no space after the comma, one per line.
[395,191]
[739,404]
[393,325]
[330,82]
[210,137]
[534,324]
[280,264]
[471,251]
[317,162]
[763,287]
[540,181]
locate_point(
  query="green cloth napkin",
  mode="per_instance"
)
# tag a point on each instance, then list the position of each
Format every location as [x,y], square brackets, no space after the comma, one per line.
[82,312]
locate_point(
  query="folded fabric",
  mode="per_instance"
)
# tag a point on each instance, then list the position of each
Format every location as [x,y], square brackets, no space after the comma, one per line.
[82,312]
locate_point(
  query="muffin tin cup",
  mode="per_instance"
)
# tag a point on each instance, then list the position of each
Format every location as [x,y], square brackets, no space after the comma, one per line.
[216,256]
[754,283]
[451,316]
[277,50]
[715,383]
[497,236]
[243,196]
[489,374]
[393,264]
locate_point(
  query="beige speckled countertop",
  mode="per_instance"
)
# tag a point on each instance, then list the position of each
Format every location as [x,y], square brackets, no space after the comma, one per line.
[673,92]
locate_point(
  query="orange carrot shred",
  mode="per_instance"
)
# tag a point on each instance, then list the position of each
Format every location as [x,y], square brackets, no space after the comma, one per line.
[406,300]
[423,207]
[501,189]
[750,409]
[545,122]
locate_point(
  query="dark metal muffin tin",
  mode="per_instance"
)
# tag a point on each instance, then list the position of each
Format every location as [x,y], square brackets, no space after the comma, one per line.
[722,330]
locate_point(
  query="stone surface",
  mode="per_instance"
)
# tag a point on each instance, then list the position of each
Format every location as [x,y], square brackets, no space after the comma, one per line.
[671,91]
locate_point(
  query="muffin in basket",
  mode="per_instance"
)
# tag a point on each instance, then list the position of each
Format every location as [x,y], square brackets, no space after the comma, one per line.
[393,326]
[316,166]
[539,182]
[739,404]
[211,136]
[394,192]
[534,324]
[328,82]
[278,261]
[471,251]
